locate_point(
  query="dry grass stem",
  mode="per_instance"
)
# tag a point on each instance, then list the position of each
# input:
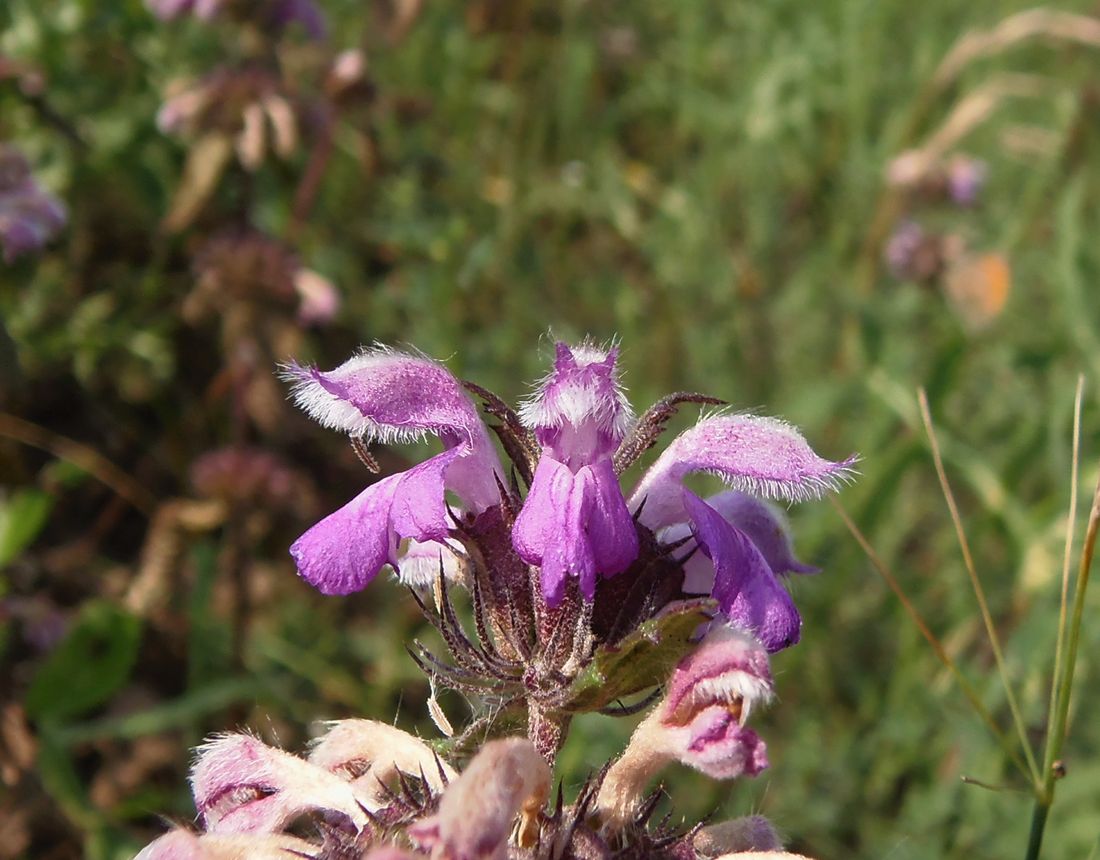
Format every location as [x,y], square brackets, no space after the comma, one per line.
[979,591]
[1030,24]
[937,646]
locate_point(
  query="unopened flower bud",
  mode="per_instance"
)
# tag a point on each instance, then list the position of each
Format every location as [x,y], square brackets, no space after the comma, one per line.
[476,815]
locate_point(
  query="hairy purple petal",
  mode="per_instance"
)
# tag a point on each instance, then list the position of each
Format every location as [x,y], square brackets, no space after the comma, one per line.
[765,525]
[241,785]
[387,396]
[579,412]
[747,591]
[575,524]
[347,549]
[761,456]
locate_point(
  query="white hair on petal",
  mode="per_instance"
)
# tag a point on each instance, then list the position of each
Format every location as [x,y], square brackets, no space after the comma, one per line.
[802,489]
[577,403]
[335,413]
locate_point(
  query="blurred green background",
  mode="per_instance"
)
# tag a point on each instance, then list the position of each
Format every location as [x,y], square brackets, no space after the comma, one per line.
[706,181]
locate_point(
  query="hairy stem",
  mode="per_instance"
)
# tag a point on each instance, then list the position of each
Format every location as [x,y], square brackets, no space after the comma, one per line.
[546,730]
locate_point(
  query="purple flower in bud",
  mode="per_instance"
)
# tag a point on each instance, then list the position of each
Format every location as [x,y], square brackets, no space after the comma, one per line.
[241,785]
[506,779]
[575,520]
[700,723]
[29,216]
[390,396]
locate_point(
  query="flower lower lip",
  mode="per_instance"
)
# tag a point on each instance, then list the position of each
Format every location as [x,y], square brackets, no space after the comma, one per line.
[230,800]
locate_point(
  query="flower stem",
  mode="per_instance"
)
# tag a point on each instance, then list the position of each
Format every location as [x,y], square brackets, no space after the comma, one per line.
[546,730]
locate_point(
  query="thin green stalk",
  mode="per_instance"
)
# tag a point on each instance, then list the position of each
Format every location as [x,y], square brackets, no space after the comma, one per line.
[1067,561]
[979,591]
[1057,730]
[937,646]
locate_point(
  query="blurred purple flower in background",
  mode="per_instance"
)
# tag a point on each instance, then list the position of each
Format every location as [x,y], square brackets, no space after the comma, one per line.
[966,178]
[277,14]
[29,216]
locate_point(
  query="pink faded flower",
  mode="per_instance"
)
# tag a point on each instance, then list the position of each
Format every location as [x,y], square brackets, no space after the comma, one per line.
[247,103]
[182,844]
[241,785]
[506,779]
[372,755]
[700,723]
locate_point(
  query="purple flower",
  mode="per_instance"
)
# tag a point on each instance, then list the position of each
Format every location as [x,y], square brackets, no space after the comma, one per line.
[575,520]
[29,216]
[762,456]
[389,396]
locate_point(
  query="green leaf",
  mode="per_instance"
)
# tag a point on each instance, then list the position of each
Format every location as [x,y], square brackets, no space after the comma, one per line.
[641,660]
[92,662]
[22,517]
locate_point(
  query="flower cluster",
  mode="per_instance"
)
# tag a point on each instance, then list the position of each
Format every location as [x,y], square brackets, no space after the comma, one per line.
[582,594]
[574,436]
